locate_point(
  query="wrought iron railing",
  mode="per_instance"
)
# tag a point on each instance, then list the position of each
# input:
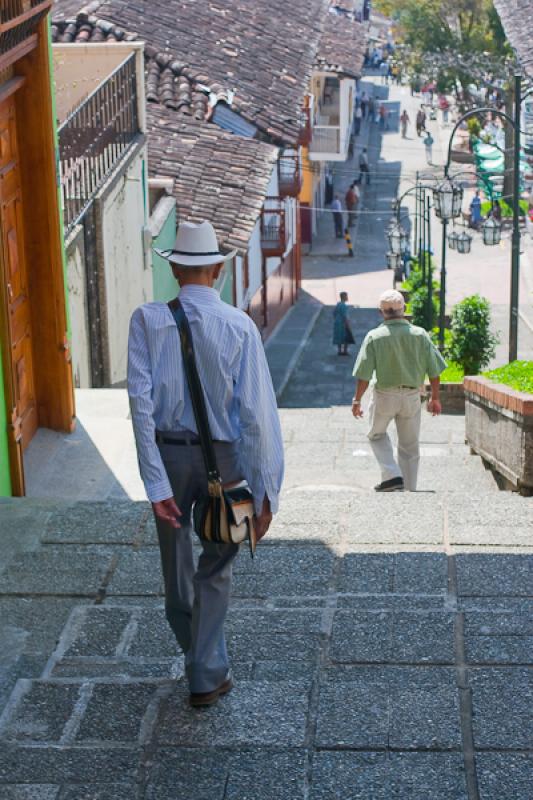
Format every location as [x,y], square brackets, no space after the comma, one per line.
[273,230]
[95,137]
[289,174]
[18,22]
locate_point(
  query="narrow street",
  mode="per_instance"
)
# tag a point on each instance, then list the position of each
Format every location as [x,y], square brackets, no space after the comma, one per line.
[381,644]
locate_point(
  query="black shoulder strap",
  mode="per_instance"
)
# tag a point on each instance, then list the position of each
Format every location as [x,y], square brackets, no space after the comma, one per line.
[196,391]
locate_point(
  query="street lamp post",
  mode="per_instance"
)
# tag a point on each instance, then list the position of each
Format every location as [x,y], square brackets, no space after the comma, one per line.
[444,202]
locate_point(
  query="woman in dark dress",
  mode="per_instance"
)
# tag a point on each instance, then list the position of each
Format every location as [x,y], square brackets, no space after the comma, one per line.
[342,333]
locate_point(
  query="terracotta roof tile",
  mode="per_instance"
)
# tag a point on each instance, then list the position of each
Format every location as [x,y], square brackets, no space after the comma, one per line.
[342,43]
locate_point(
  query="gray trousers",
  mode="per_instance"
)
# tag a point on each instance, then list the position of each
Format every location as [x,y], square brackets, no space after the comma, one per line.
[404,407]
[197,597]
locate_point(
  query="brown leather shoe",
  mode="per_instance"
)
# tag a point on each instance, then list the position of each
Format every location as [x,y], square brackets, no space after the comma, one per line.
[205,699]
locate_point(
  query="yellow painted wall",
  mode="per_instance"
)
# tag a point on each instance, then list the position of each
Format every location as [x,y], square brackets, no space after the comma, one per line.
[308,182]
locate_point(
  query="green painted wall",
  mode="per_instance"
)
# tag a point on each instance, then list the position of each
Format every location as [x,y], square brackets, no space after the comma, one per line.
[225,284]
[165,286]
[5,481]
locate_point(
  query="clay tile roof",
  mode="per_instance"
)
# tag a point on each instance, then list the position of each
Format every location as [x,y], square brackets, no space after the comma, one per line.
[217,175]
[263,50]
[517,20]
[342,44]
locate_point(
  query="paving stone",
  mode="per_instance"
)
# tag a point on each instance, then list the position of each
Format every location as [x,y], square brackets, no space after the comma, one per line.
[420,573]
[254,713]
[96,631]
[115,713]
[29,792]
[96,523]
[407,518]
[182,774]
[392,602]
[138,573]
[504,776]
[54,765]
[404,708]
[58,570]
[503,707]
[499,638]
[32,625]
[120,669]
[380,776]
[284,571]
[153,637]
[262,775]
[104,791]
[393,637]
[41,712]
[495,574]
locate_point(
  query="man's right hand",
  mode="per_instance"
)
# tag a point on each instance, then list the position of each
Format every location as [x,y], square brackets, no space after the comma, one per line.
[167,511]
[262,521]
[435,407]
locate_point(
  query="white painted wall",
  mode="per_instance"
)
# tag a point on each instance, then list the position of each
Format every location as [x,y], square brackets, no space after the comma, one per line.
[128,281]
[255,258]
[77,300]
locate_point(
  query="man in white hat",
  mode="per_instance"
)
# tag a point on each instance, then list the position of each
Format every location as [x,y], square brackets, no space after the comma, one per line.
[400,355]
[244,423]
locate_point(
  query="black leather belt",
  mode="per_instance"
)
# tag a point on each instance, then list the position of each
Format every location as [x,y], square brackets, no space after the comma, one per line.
[407,387]
[162,438]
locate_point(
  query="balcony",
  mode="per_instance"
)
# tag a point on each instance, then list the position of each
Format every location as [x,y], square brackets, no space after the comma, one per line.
[306,131]
[273,229]
[98,134]
[332,120]
[19,20]
[289,174]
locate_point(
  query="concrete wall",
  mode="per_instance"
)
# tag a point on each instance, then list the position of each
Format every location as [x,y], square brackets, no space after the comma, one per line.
[77,303]
[126,262]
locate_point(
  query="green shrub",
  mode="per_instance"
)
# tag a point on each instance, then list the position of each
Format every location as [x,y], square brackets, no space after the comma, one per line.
[420,311]
[474,127]
[507,211]
[472,343]
[518,375]
[453,373]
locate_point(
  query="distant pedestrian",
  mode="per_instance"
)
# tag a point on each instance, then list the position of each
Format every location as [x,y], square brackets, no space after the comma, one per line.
[404,121]
[475,211]
[371,105]
[352,199]
[342,333]
[336,207]
[364,168]
[428,144]
[364,104]
[400,355]
[496,211]
[358,116]
[420,122]
[444,106]
[383,117]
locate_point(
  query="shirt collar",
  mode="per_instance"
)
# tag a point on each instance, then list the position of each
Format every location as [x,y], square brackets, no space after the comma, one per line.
[201,295]
[396,321]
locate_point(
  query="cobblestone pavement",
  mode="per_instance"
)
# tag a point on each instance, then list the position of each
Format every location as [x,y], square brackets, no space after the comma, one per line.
[382,645]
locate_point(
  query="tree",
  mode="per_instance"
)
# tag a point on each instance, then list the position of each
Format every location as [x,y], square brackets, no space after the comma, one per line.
[472,343]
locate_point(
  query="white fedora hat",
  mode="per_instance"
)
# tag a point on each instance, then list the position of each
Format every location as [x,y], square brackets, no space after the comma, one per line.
[196,246]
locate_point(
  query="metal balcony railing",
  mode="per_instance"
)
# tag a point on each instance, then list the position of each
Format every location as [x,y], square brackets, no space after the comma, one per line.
[273,230]
[18,22]
[306,129]
[289,174]
[95,137]
[326,139]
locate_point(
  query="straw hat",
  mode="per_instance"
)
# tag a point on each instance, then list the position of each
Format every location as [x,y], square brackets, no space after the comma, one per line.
[196,246]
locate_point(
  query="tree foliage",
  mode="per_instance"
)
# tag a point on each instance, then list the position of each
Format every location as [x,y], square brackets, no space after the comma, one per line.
[464,31]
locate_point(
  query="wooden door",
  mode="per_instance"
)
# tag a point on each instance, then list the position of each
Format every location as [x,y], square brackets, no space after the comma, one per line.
[24,407]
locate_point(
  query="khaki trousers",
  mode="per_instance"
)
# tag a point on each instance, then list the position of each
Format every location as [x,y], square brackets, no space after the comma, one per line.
[404,407]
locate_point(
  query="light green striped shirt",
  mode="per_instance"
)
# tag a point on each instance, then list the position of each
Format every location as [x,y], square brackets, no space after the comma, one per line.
[399,354]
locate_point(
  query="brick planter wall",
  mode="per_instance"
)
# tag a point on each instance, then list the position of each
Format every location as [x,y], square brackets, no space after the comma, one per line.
[499,427]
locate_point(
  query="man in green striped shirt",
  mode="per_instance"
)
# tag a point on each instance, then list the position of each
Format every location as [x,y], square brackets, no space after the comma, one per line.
[399,355]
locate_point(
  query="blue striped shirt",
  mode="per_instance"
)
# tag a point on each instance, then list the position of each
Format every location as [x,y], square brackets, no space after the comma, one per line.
[232,365]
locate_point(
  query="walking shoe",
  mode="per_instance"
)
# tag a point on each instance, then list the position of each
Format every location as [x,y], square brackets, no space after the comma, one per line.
[394,485]
[205,699]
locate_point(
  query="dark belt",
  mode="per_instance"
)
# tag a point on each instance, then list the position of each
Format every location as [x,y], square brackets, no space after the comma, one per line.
[407,387]
[162,438]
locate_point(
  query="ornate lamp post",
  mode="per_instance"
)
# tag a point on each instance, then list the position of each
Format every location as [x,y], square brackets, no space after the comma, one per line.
[464,243]
[492,232]
[447,199]
[452,240]
[398,240]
